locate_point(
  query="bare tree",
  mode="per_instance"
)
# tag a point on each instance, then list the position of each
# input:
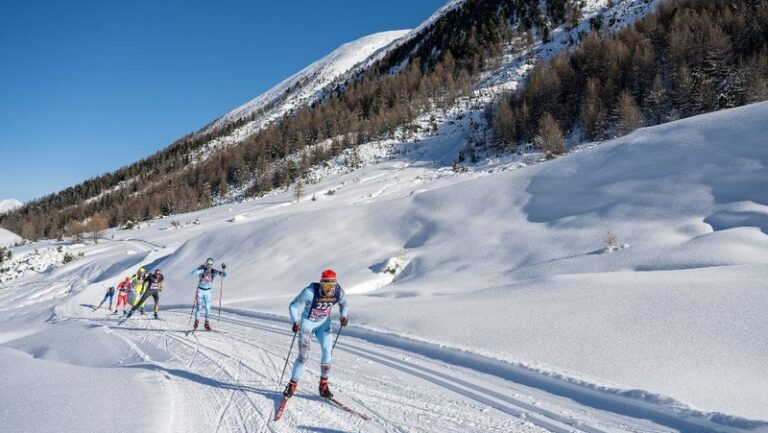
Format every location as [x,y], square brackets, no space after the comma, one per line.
[298,190]
[550,137]
[629,114]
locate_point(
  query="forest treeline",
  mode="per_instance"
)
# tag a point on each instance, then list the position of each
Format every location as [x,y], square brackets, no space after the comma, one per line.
[688,57]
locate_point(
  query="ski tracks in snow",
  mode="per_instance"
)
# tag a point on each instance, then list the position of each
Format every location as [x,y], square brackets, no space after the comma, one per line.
[226,382]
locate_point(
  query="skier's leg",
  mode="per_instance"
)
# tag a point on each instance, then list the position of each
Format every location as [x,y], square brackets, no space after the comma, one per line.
[103,301]
[143,298]
[197,304]
[305,337]
[325,337]
[207,304]
[139,294]
[156,298]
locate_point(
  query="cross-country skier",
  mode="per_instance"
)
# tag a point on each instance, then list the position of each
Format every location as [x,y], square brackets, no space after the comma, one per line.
[317,300]
[153,285]
[109,295]
[206,273]
[124,295]
[138,286]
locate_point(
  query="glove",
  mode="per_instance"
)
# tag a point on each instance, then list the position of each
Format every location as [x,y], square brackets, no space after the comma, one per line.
[223,265]
[344,321]
[296,326]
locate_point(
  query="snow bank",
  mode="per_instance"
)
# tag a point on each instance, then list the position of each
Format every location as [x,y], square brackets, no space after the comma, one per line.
[8,238]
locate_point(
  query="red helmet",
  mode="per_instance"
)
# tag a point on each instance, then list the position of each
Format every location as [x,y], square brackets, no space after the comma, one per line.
[328,275]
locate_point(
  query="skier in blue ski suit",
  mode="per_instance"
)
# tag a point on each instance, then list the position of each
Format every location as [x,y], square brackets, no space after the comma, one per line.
[317,301]
[206,273]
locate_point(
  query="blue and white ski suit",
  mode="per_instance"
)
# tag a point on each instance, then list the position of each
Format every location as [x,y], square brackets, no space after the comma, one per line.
[204,288]
[316,319]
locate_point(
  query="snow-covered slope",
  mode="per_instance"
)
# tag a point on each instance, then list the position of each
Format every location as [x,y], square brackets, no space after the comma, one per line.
[498,271]
[8,238]
[9,205]
[305,86]
[302,89]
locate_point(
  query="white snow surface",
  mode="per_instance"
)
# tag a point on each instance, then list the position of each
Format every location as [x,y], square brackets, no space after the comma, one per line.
[8,238]
[479,301]
[9,205]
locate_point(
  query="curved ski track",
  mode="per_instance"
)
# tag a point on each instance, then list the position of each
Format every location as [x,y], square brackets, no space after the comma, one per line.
[226,381]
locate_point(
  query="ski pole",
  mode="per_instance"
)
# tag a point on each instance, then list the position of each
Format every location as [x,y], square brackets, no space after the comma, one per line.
[336,339]
[286,360]
[221,289]
[194,304]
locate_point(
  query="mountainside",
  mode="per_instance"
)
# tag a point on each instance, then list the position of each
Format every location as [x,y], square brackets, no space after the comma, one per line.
[306,86]
[418,74]
[489,299]
[585,83]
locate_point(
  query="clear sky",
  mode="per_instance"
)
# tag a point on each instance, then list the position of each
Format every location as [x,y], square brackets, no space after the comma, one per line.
[87,86]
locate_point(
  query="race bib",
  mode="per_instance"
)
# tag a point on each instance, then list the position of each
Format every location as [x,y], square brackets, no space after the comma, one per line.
[321,311]
[207,277]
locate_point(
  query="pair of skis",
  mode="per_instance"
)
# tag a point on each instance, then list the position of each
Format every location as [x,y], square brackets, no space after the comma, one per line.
[331,400]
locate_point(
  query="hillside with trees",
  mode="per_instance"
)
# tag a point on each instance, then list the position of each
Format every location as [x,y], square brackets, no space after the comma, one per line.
[691,56]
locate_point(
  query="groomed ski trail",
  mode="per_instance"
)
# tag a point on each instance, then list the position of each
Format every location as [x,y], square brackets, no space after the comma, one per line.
[227,382]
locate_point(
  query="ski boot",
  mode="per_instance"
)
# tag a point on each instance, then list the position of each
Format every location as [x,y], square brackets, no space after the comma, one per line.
[156,316]
[197,322]
[290,389]
[142,311]
[207,326]
[324,390]
[130,313]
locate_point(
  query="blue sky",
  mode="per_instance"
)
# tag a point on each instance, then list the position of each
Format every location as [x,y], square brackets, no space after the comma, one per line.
[87,86]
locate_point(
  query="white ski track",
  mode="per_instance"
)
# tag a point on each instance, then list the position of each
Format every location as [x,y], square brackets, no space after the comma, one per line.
[225,380]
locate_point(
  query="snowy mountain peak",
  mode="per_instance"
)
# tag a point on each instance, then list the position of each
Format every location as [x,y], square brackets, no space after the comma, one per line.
[306,85]
[9,205]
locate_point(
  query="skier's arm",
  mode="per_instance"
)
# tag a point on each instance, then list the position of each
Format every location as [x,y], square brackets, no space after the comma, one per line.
[197,272]
[305,296]
[343,306]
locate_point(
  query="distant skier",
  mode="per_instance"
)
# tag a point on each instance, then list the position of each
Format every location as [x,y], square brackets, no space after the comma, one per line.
[153,285]
[206,273]
[109,295]
[138,287]
[124,294]
[317,301]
